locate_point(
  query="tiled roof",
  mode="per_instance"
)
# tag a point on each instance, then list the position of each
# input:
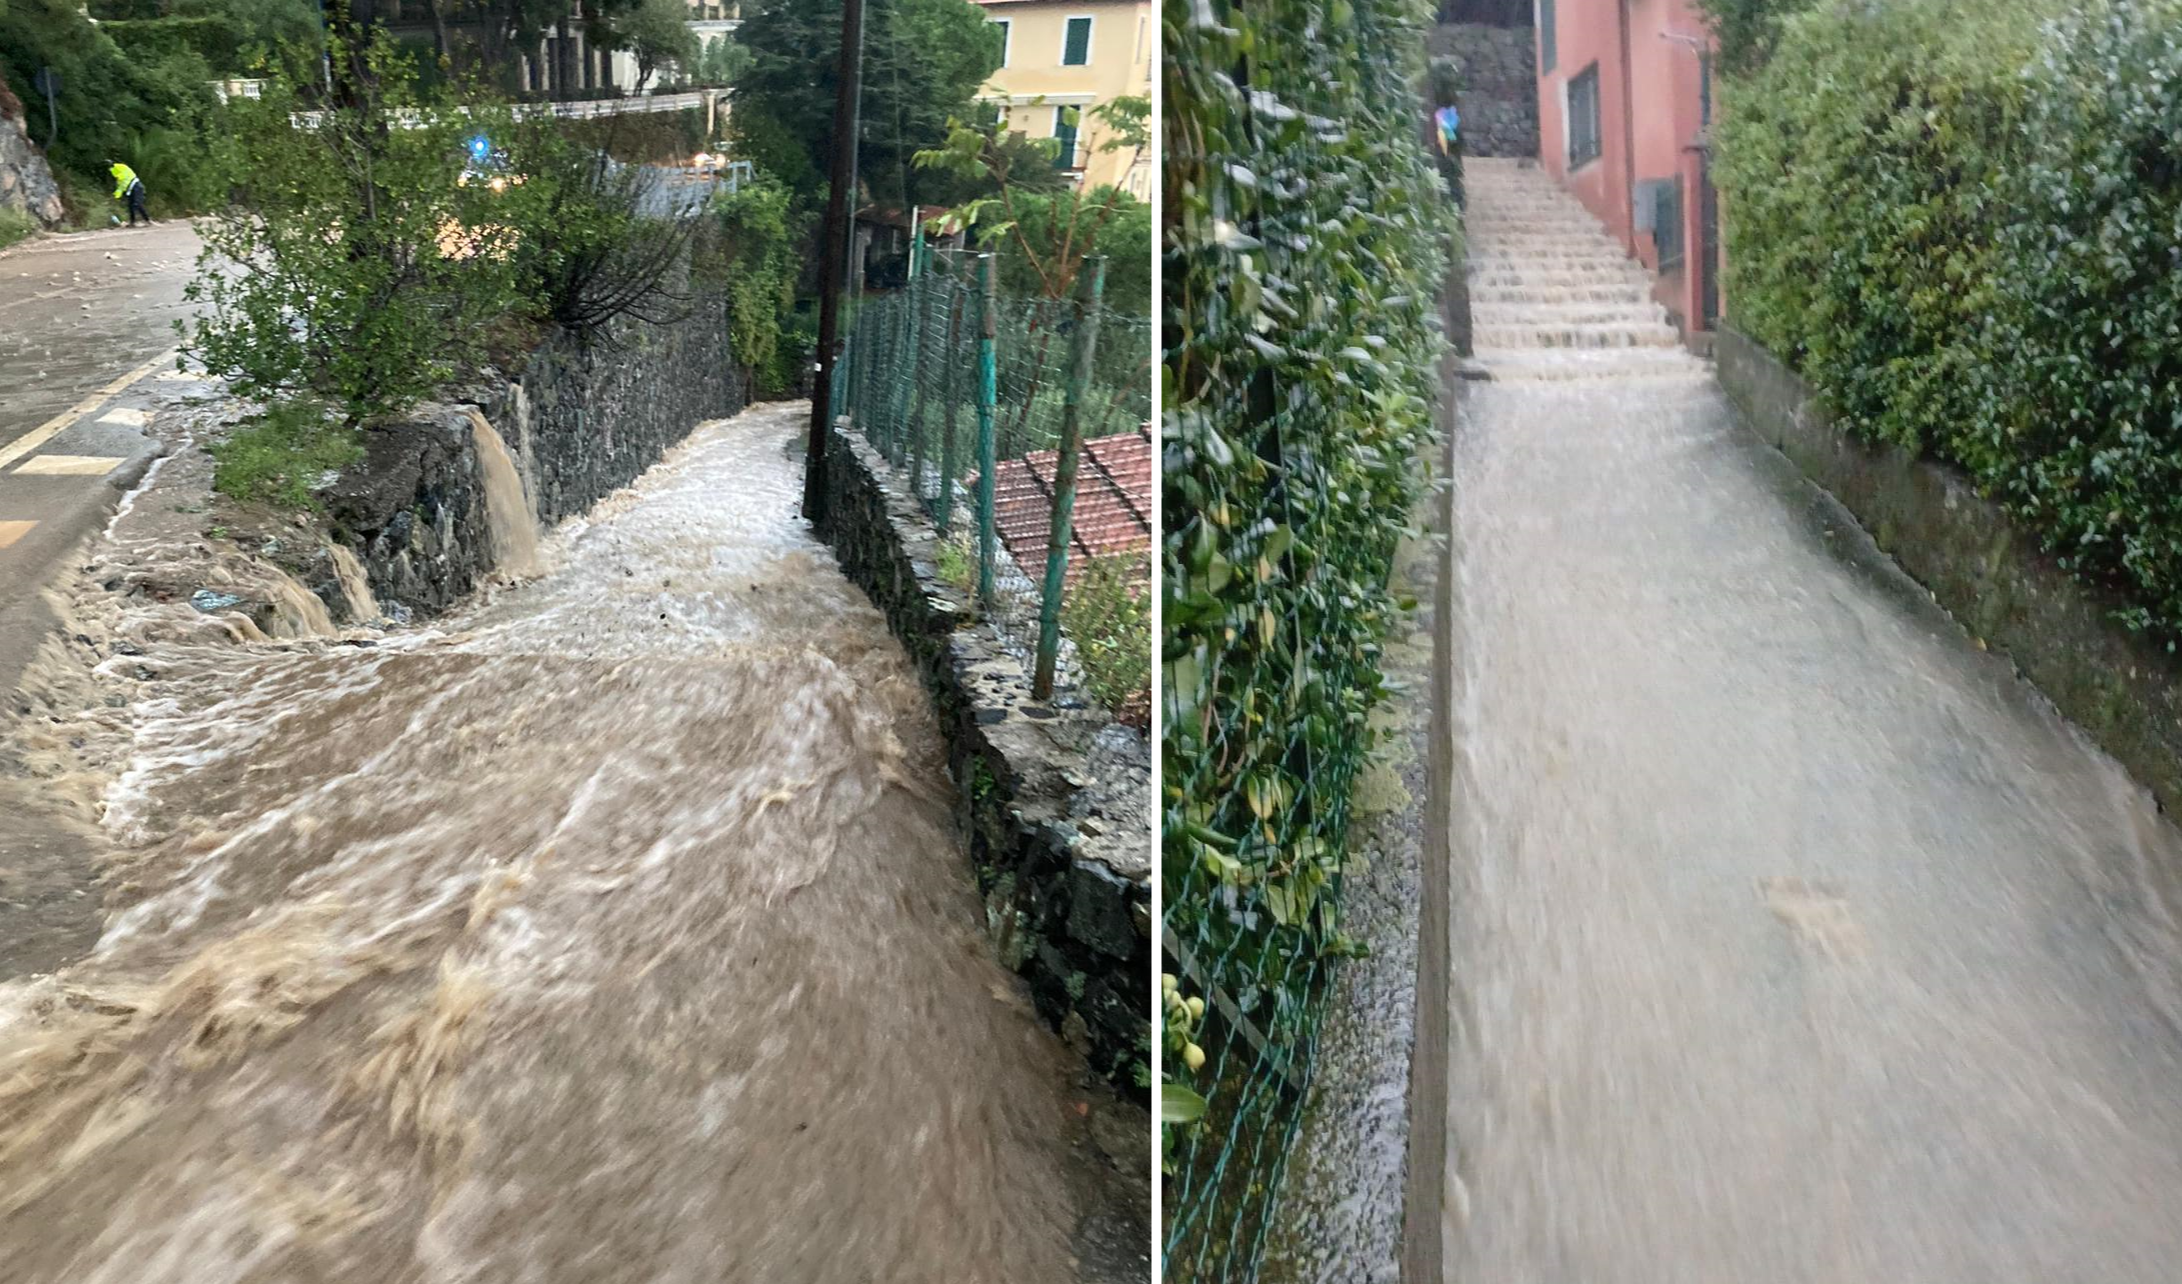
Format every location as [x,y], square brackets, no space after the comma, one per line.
[1113,502]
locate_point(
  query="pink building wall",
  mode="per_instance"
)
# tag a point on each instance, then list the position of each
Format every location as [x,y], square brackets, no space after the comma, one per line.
[1651,123]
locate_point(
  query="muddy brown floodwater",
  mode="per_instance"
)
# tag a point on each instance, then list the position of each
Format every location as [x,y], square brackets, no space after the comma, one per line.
[614,931]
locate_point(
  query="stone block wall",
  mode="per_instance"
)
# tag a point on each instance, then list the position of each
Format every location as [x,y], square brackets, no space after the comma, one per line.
[1063,860]
[581,419]
[1498,67]
[2060,633]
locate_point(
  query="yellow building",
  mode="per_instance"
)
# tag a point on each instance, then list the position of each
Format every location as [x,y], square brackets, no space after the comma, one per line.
[1060,59]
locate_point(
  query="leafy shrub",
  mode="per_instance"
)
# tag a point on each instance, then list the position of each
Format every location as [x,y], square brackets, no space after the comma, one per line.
[1305,254]
[759,233]
[351,265]
[2081,425]
[279,457]
[1962,224]
[1107,613]
[14,225]
[595,239]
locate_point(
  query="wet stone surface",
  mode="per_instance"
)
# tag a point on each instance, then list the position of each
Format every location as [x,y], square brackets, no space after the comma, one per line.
[1339,1218]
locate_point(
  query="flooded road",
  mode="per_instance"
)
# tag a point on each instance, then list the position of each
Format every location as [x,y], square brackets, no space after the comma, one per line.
[1794,940]
[616,930]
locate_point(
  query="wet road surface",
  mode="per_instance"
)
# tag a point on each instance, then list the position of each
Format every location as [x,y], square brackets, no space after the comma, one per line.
[615,931]
[76,311]
[1794,939]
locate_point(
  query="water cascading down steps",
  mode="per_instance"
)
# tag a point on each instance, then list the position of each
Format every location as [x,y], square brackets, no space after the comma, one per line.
[1552,296]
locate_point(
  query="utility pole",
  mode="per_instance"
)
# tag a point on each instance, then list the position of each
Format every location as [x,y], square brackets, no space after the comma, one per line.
[845,129]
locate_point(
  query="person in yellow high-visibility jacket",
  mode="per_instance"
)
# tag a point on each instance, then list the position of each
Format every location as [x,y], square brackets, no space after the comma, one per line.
[128,187]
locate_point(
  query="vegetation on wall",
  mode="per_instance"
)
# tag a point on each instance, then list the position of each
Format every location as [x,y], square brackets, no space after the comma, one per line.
[760,265]
[1305,249]
[148,110]
[1960,223]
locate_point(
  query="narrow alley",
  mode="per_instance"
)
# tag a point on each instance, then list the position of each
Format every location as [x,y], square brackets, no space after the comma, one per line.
[615,929]
[1795,940]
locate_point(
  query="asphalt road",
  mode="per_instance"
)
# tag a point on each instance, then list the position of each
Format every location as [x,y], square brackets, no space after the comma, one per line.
[89,326]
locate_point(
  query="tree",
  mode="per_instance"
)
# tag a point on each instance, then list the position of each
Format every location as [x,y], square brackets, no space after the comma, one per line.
[1067,228]
[720,63]
[657,33]
[923,63]
[352,265]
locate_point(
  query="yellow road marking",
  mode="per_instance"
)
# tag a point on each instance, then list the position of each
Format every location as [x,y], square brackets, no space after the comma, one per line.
[46,431]
[68,465]
[13,531]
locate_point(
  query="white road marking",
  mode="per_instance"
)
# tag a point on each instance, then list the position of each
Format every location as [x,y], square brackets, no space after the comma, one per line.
[46,431]
[69,465]
[124,415]
[13,531]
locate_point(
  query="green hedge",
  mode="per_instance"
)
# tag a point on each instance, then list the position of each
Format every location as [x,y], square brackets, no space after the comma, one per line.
[1305,250]
[1963,223]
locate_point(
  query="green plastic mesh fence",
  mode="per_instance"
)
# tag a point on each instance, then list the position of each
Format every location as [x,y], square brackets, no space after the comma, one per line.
[911,384]
[1305,245]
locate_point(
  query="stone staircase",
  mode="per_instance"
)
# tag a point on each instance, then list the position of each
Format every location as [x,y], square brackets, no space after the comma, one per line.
[1551,294]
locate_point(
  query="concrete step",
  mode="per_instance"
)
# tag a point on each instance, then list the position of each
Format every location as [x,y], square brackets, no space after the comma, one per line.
[1588,312]
[1658,334]
[1520,280]
[1586,364]
[1566,259]
[1627,293]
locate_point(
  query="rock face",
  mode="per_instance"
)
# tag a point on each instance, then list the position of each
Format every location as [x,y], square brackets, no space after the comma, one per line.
[581,420]
[26,185]
[1498,67]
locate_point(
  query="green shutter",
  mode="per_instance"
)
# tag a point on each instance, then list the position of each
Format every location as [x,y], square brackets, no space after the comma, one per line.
[1076,50]
[1064,133]
[1545,35]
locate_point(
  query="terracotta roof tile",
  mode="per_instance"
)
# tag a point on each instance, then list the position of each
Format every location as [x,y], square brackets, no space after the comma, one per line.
[1113,502]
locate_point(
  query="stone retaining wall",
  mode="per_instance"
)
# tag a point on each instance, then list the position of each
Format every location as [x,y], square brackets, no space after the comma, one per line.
[582,419]
[1498,67]
[2059,632]
[1063,859]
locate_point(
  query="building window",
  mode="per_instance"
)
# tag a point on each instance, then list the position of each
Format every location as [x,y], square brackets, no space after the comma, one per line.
[1545,35]
[1076,44]
[1583,117]
[1704,89]
[1007,33]
[1064,133]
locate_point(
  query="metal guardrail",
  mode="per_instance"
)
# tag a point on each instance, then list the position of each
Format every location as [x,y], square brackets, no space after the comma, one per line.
[587,109]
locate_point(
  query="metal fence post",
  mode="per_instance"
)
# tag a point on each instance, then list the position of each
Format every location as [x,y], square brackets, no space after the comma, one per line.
[1090,285]
[918,334]
[950,395]
[988,391]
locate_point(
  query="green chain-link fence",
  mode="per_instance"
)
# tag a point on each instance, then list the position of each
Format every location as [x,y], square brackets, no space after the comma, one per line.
[970,394]
[1306,235]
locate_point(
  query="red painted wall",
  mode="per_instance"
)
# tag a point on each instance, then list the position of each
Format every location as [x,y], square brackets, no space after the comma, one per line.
[1650,115]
